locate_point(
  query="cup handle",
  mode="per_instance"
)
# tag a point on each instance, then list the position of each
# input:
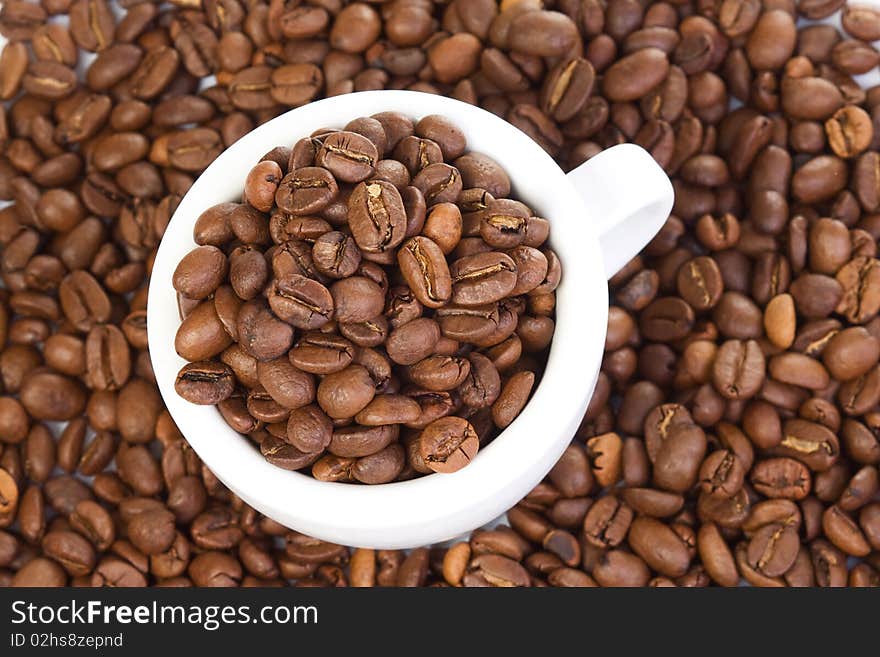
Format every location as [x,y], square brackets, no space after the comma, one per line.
[628,196]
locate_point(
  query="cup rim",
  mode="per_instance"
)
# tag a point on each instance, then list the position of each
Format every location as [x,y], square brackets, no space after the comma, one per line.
[433,507]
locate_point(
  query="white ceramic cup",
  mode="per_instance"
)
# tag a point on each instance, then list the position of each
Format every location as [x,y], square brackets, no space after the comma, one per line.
[601,215]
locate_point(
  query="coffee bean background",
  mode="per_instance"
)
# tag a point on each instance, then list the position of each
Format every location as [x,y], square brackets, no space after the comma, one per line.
[735,431]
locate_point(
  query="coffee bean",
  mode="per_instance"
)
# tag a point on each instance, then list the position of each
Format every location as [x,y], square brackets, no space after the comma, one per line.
[439,183]
[448,444]
[667,319]
[798,369]
[336,255]
[739,369]
[205,383]
[819,179]
[306,190]
[773,549]
[780,321]
[343,394]
[426,271]
[413,341]
[294,84]
[700,283]
[812,443]
[844,533]
[200,272]
[349,156]
[659,546]
[791,241]
[607,522]
[301,301]
[381,467]
[781,478]
[378,217]
[356,299]
[633,76]
[849,131]
[859,302]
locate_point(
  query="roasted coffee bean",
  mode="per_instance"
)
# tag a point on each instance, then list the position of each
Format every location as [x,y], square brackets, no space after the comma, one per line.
[439,183]
[320,353]
[261,334]
[448,444]
[336,254]
[635,75]
[739,369]
[377,216]
[200,272]
[512,399]
[607,522]
[292,84]
[205,382]
[202,335]
[356,299]
[349,156]
[482,278]
[301,301]
[660,547]
[781,478]
[413,341]
[345,393]
[773,549]
[791,243]
[306,190]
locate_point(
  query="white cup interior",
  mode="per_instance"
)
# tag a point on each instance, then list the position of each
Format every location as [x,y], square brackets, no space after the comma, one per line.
[438,506]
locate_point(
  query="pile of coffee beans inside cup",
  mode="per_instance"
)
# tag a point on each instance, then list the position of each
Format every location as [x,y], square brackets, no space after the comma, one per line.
[734,434]
[356,312]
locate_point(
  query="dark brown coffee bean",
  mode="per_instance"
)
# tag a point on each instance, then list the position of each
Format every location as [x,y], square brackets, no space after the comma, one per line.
[667,319]
[377,216]
[306,190]
[200,272]
[700,283]
[345,393]
[284,455]
[381,467]
[357,441]
[448,444]
[205,382]
[739,369]
[781,478]
[812,443]
[292,85]
[413,341]
[336,255]
[201,335]
[425,270]
[659,546]
[439,183]
[319,353]
[844,532]
[635,75]
[261,334]
[387,410]
[309,429]
[607,522]
[349,156]
[512,399]
[773,549]
[301,301]
[860,300]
